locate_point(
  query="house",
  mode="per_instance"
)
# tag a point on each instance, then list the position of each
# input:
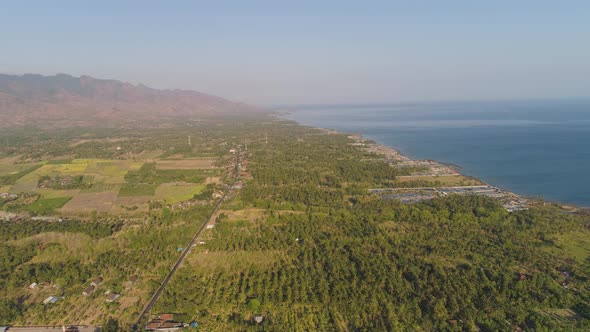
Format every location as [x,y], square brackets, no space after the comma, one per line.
[33,285]
[258,319]
[96,282]
[165,322]
[167,317]
[3,328]
[51,299]
[133,279]
[89,290]
[113,297]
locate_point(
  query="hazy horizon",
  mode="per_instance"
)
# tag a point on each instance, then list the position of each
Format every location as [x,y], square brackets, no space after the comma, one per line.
[268,54]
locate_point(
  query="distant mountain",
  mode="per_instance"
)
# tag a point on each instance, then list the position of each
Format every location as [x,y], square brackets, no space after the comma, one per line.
[64,100]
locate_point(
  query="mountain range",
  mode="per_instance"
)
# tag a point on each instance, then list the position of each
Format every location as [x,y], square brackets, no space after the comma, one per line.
[64,100]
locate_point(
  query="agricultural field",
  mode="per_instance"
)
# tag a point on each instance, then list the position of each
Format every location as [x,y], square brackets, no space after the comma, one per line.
[437,180]
[93,185]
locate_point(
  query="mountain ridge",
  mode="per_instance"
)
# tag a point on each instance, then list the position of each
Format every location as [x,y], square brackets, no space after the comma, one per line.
[65,100]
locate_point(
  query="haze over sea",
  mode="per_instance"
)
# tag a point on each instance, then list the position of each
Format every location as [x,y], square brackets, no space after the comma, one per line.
[534,148]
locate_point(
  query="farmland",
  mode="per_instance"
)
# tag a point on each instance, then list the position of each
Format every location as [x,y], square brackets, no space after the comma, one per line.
[92,185]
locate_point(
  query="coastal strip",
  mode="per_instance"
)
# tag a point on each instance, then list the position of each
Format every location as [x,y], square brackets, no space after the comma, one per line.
[428,179]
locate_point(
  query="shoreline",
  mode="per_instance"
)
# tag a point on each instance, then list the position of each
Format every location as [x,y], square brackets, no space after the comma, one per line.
[569,207]
[387,152]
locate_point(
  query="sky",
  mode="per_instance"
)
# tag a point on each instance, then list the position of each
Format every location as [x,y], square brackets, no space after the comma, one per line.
[309,52]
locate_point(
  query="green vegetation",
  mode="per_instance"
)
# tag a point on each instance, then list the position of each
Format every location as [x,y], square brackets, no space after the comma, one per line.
[65,182]
[302,243]
[11,178]
[346,260]
[101,187]
[174,193]
[150,175]
[14,231]
[137,189]
[47,205]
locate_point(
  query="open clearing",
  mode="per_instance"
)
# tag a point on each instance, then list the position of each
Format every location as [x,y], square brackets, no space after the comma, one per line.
[577,245]
[88,202]
[47,205]
[117,186]
[6,169]
[204,163]
[173,193]
[53,193]
[137,189]
[444,180]
[130,205]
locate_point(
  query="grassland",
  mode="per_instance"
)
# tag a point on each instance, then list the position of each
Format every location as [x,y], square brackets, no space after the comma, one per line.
[137,189]
[576,245]
[201,163]
[443,180]
[47,205]
[173,193]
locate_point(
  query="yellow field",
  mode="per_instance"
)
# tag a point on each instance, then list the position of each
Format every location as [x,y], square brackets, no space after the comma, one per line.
[185,164]
[173,193]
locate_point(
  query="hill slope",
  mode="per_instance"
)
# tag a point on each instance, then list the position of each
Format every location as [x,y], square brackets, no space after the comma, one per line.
[63,100]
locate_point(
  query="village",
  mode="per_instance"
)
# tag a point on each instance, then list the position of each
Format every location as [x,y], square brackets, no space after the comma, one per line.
[430,171]
[510,201]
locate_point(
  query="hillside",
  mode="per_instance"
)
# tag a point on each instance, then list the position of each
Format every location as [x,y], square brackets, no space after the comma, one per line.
[63,100]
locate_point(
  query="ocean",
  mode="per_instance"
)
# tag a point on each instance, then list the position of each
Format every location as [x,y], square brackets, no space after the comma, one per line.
[533,148]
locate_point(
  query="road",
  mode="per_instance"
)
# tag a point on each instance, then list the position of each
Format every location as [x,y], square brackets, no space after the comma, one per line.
[50,328]
[186,250]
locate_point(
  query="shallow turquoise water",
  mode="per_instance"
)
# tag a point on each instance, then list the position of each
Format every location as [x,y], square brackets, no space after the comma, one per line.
[535,148]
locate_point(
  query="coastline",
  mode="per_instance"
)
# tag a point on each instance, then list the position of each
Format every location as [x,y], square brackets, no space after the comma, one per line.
[431,170]
[392,154]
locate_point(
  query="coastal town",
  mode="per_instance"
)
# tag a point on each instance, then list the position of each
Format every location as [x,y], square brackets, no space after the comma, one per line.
[430,179]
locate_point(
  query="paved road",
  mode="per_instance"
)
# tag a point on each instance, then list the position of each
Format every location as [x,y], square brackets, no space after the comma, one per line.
[160,289]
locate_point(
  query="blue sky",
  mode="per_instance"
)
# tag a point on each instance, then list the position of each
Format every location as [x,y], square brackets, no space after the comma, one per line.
[282,52]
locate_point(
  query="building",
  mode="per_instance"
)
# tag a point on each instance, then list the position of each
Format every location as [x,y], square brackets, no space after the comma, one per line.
[167,316]
[165,322]
[258,319]
[113,297]
[50,300]
[89,290]
[96,282]
[33,285]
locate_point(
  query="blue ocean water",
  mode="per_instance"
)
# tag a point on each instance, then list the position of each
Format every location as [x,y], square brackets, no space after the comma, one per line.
[534,148]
